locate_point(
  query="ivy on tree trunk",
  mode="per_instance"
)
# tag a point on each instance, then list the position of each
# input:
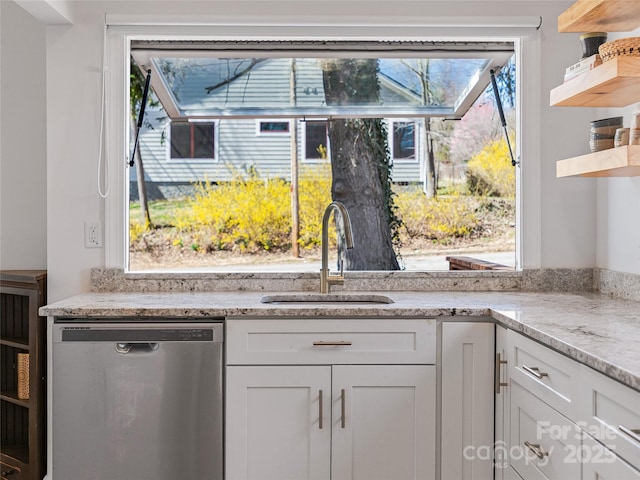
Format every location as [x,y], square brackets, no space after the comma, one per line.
[360,164]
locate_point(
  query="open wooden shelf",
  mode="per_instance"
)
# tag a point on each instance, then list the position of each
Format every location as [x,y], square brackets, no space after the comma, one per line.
[615,83]
[600,16]
[614,162]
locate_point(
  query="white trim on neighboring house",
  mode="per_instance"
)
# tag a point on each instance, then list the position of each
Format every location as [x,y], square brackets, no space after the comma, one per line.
[416,140]
[272,133]
[303,142]
[216,143]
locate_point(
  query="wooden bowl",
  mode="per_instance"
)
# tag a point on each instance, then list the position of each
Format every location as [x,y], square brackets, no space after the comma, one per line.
[623,47]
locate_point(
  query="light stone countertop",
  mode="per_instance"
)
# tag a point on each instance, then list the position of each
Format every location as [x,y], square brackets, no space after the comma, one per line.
[599,331]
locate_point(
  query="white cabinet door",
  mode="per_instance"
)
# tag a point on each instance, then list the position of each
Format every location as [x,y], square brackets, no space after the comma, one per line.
[467,400]
[501,387]
[278,423]
[383,422]
[600,463]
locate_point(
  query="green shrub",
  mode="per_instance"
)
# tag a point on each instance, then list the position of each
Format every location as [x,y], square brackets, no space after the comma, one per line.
[491,173]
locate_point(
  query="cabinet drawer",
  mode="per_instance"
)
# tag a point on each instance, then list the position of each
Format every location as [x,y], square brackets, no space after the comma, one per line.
[611,414]
[544,444]
[330,341]
[545,373]
[601,463]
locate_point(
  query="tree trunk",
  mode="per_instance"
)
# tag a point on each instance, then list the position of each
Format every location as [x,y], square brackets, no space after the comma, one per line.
[359,164]
[431,186]
[295,205]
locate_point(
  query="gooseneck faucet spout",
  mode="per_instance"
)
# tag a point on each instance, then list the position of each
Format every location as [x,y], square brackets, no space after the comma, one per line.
[342,216]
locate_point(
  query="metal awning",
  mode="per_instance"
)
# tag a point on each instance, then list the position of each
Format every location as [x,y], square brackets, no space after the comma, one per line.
[201,79]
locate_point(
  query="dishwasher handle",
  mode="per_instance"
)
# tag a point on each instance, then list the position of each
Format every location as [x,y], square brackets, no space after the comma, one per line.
[140,348]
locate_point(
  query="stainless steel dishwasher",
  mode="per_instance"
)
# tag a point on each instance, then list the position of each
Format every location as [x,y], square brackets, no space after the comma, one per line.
[137,401]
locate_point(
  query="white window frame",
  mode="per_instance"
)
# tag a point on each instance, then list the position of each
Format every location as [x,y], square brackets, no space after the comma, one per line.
[303,143]
[416,140]
[261,133]
[216,143]
[527,40]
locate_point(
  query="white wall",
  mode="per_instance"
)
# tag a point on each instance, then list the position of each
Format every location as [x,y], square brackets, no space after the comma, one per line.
[560,224]
[23,216]
[618,208]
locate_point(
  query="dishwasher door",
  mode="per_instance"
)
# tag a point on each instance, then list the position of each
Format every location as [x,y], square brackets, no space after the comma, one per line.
[137,401]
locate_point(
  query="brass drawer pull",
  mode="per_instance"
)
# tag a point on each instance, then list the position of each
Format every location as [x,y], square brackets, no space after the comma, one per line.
[320,410]
[535,371]
[499,363]
[536,449]
[337,343]
[634,433]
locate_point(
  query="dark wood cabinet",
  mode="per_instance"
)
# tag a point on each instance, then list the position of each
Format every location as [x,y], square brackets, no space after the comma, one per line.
[22,375]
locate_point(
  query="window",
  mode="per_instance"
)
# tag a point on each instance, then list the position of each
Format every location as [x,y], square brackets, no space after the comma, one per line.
[316,140]
[403,140]
[193,140]
[265,112]
[273,128]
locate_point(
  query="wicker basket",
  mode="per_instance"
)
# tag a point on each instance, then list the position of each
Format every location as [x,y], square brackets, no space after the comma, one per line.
[623,47]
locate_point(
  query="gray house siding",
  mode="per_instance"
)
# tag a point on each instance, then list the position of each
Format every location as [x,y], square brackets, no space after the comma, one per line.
[239,146]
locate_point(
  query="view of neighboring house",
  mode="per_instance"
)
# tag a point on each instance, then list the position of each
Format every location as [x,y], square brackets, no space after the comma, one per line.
[177,153]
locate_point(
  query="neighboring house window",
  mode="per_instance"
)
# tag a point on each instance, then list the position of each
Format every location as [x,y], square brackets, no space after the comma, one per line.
[193,140]
[403,140]
[268,127]
[316,140]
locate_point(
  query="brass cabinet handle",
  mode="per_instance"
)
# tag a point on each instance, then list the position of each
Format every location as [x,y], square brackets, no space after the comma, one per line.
[634,433]
[342,409]
[536,449]
[535,371]
[337,343]
[320,410]
[499,363]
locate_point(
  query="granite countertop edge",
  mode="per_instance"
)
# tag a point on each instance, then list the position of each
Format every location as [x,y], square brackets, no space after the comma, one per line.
[593,329]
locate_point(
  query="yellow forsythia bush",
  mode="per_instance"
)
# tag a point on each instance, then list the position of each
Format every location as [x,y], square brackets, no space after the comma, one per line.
[439,218]
[490,171]
[254,214]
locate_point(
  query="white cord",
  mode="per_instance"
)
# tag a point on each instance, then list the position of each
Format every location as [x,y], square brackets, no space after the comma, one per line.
[104,194]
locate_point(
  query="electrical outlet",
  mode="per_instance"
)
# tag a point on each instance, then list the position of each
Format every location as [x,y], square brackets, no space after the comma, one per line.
[92,235]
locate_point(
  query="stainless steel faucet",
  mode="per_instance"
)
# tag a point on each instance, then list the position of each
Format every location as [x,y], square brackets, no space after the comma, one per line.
[342,215]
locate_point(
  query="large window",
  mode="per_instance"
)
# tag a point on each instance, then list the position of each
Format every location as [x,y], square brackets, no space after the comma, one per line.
[281,118]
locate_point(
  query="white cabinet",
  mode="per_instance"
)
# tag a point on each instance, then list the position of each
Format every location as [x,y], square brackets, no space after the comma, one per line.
[383,422]
[543,444]
[566,421]
[600,463]
[330,418]
[610,412]
[278,422]
[467,400]
[501,415]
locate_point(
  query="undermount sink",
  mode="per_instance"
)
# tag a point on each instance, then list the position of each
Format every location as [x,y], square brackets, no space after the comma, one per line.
[325,298]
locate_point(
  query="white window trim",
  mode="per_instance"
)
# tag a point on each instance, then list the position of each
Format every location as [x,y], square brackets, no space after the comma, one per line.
[216,144]
[260,133]
[528,128]
[416,140]
[303,144]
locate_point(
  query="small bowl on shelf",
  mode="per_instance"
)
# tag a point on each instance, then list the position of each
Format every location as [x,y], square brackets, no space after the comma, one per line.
[603,133]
